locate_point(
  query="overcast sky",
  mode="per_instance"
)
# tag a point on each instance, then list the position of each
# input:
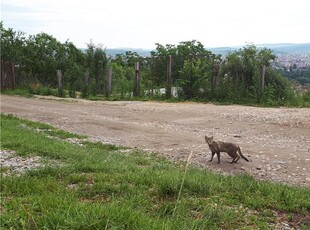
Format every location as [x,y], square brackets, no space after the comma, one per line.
[142,23]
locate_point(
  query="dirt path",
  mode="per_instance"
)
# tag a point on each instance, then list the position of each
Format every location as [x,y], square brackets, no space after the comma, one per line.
[275,140]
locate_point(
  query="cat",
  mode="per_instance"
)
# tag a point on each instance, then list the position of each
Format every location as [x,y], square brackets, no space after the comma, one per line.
[219,146]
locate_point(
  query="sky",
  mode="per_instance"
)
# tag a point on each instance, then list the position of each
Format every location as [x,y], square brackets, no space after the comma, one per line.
[143,23]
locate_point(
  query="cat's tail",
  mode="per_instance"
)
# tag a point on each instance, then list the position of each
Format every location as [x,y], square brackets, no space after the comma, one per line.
[240,153]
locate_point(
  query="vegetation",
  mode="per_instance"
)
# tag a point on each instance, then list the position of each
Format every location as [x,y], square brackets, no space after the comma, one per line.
[97,186]
[197,74]
[301,76]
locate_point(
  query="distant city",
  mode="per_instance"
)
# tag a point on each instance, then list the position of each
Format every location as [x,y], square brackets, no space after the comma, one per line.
[292,61]
[289,56]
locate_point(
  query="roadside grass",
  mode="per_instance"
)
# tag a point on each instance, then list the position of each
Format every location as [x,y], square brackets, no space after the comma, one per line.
[298,100]
[98,186]
[20,91]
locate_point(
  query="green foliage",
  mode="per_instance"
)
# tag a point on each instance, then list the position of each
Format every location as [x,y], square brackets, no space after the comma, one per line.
[44,91]
[238,79]
[194,79]
[96,66]
[12,44]
[269,96]
[21,91]
[306,96]
[38,57]
[74,79]
[123,80]
[301,76]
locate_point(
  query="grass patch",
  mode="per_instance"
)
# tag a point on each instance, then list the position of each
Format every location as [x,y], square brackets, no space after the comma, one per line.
[20,91]
[96,186]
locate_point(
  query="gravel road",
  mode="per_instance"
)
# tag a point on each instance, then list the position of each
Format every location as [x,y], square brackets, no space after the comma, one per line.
[275,140]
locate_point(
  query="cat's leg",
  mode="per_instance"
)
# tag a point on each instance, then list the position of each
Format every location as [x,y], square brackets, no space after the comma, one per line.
[212,156]
[236,159]
[218,157]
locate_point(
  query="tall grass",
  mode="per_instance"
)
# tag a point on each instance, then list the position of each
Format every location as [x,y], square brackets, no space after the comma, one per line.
[182,183]
[224,96]
[97,186]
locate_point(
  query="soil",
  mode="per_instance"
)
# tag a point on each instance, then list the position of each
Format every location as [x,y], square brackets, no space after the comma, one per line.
[275,140]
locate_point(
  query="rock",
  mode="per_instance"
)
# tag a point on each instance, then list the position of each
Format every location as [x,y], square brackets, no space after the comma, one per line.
[279,162]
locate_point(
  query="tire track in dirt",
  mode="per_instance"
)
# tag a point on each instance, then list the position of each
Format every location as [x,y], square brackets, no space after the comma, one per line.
[276,140]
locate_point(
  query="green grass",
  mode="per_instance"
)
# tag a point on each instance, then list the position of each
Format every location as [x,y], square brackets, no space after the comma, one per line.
[20,91]
[96,186]
[298,100]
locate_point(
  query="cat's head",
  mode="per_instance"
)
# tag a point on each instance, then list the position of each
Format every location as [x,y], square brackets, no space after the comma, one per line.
[209,140]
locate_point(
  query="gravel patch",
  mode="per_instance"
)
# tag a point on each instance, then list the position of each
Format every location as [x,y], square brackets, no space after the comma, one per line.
[16,164]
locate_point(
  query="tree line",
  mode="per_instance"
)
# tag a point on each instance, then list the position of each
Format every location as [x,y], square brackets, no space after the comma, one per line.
[242,76]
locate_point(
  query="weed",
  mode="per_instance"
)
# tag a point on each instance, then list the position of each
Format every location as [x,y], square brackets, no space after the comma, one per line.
[97,186]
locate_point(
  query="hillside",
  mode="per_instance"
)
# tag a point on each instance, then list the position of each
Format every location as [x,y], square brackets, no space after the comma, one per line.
[278,48]
[293,60]
[142,52]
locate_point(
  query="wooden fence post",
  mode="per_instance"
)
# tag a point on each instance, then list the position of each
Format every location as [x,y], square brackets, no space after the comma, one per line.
[2,75]
[109,82]
[7,75]
[169,77]
[85,90]
[60,88]
[262,79]
[136,91]
[86,76]
[12,67]
[215,73]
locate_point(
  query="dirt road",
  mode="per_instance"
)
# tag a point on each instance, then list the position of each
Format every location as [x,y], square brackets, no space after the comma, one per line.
[275,140]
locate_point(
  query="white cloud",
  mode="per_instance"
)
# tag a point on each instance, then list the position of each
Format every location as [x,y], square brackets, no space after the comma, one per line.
[141,23]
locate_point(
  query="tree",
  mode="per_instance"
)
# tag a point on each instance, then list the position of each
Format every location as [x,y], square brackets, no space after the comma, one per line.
[250,71]
[249,65]
[193,66]
[122,86]
[12,44]
[264,56]
[187,57]
[38,57]
[158,64]
[96,62]
[45,57]
[195,79]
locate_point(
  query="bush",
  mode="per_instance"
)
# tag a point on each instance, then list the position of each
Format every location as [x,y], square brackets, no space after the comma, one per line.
[44,91]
